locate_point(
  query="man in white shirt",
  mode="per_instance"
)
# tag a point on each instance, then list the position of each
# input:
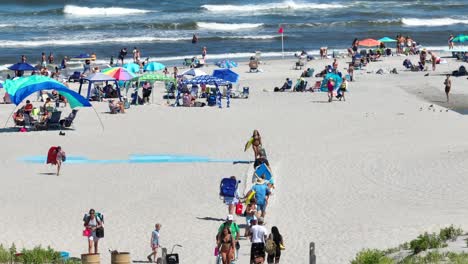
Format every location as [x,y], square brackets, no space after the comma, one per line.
[258,236]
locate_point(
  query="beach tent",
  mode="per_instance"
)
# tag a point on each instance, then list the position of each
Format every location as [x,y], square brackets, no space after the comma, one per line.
[151,77]
[226,64]
[97,77]
[226,74]
[335,77]
[193,72]
[387,39]
[154,66]
[369,42]
[132,67]
[22,87]
[22,66]
[207,79]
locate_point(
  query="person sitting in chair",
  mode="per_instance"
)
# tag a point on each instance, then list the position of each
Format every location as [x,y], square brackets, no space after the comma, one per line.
[287,84]
[116,107]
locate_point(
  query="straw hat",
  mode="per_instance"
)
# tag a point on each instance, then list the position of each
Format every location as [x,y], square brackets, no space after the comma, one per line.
[260,181]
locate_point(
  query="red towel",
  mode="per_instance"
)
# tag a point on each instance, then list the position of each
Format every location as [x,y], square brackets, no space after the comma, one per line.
[52,156]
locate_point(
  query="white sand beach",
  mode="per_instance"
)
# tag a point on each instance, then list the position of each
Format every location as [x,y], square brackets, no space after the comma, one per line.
[374,171]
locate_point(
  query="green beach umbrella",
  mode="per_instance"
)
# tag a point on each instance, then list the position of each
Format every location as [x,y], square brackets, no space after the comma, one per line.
[387,39]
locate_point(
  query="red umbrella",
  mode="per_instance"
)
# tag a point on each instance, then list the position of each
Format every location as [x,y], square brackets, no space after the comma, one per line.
[369,42]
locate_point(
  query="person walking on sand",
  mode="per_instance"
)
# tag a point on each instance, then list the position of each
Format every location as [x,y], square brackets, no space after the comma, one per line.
[258,236]
[232,201]
[278,240]
[56,156]
[330,86]
[92,223]
[262,194]
[226,245]
[154,243]
[448,86]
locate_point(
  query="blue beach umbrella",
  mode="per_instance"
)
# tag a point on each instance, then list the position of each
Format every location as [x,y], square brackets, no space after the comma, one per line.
[22,66]
[226,64]
[226,74]
[154,66]
[132,67]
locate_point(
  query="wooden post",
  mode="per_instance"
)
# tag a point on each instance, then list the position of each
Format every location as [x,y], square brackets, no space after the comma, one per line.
[312,257]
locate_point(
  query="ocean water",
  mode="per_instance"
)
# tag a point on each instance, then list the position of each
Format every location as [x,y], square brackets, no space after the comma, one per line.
[162,30]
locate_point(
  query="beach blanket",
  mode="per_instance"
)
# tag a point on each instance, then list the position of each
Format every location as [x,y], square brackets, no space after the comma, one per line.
[52,156]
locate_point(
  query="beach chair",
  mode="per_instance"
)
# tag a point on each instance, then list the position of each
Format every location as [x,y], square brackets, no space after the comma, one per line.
[75,77]
[68,121]
[300,63]
[317,86]
[187,62]
[54,120]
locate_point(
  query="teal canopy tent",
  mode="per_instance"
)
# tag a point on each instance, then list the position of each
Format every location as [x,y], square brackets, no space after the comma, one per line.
[387,39]
[22,87]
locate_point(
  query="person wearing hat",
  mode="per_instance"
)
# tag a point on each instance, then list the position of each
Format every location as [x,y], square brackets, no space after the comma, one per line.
[235,231]
[258,236]
[262,194]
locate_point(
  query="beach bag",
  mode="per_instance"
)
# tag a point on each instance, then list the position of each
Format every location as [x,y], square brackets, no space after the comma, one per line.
[100,232]
[239,209]
[211,100]
[87,232]
[64,158]
[270,247]
[228,187]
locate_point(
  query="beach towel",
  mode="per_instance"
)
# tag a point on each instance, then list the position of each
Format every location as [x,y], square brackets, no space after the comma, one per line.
[52,156]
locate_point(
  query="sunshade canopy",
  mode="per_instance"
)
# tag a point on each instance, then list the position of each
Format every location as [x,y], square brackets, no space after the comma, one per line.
[99,77]
[22,66]
[369,42]
[226,64]
[207,79]
[193,72]
[226,74]
[460,38]
[119,73]
[132,67]
[387,39]
[154,66]
[22,87]
[153,77]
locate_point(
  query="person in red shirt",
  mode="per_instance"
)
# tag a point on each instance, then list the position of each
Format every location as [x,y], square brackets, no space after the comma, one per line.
[28,107]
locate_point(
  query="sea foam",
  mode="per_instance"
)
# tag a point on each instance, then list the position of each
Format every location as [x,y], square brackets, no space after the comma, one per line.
[101,11]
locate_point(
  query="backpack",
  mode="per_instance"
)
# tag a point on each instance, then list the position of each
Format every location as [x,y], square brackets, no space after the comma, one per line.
[270,246]
[228,187]
[99,217]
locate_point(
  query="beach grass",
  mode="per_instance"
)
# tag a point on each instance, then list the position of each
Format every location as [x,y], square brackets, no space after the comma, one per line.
[37,255]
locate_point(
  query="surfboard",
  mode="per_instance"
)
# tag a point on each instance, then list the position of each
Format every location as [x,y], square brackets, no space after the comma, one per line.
[248,144]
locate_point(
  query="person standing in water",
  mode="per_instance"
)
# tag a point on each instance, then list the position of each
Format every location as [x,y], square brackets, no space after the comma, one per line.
[450,42]
[194,39]
[448,86]
[204,51]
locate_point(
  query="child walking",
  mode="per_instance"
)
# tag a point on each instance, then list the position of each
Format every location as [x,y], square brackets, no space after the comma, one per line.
[154,243]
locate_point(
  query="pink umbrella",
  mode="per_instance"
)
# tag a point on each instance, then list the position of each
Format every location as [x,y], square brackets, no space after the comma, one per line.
[119,73]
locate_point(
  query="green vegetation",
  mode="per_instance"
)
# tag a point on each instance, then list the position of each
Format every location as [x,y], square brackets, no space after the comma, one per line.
[420,244]
[38,255]
[371,256]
